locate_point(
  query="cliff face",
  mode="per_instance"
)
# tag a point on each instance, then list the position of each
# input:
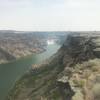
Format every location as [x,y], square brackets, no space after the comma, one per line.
[73,73]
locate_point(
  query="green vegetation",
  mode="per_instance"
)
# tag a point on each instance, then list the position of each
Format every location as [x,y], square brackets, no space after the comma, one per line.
[96,91]
[72,74]
[39,84]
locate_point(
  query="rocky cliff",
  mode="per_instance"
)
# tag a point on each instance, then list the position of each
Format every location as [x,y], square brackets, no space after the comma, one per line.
[73,73]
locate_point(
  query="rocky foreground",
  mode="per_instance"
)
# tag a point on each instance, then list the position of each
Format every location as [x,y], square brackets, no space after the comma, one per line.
[73,73]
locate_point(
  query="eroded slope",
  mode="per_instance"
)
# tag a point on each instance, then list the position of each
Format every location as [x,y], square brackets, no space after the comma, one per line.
[71,74]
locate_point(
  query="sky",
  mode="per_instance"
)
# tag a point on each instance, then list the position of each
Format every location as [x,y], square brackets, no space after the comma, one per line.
[50,15]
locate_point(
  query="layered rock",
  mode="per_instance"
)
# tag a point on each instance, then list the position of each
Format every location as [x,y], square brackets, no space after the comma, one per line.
[71,74]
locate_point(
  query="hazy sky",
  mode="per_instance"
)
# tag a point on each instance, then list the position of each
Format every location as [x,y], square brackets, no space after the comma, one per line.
[50,15]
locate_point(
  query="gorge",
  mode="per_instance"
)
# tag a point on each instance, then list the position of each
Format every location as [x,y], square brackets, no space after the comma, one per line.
[73,73]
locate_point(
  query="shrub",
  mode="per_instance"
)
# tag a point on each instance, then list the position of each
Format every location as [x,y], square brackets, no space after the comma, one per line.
[96,91]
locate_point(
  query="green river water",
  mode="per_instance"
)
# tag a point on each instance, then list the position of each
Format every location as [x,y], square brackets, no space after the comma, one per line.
[12,71]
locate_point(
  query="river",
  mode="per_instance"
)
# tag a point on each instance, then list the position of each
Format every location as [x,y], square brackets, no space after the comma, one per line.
[12,71]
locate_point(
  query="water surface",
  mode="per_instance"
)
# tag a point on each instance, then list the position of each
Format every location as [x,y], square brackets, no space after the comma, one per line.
[10,72]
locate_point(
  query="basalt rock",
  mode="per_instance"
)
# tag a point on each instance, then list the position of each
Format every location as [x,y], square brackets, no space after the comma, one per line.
[68,75]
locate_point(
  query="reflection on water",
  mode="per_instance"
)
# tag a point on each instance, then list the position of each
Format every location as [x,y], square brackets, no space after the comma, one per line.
[10,72]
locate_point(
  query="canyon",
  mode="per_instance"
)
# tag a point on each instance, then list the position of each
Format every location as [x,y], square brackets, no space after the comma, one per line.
[73,73]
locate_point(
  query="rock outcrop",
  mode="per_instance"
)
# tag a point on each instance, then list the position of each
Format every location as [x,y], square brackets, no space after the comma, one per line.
[73,73]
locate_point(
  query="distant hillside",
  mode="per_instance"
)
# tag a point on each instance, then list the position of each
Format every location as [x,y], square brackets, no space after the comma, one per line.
[17,44]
